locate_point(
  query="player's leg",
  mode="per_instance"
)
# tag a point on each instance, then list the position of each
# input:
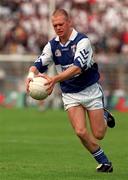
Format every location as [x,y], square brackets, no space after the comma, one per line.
[78,120]
[97,123]
[98,127]
[109,118]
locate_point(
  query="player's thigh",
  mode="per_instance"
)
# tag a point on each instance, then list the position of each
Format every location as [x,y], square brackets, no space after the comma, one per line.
[97,122]
[77,117]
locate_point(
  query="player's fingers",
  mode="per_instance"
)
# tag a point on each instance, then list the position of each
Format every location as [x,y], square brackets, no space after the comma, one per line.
[49,91]
[27,84]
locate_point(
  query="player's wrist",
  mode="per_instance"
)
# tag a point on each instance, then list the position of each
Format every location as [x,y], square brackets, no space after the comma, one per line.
[30,75]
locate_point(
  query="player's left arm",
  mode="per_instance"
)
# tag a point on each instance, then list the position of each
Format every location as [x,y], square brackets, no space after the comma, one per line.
[82,61]
[83,55]
[67,74]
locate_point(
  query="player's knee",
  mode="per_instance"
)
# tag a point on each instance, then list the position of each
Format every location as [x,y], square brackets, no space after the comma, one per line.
[80,133]
[99,135]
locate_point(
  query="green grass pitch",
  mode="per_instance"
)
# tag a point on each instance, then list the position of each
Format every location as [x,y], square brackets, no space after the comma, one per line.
[42,146]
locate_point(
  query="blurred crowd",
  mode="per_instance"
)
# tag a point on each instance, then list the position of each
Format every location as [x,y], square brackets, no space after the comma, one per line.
[25,27]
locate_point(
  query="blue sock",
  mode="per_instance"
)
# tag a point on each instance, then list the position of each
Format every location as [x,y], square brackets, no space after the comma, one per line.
[100,157]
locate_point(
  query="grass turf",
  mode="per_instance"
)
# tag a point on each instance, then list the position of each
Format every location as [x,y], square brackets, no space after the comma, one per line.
[42,146]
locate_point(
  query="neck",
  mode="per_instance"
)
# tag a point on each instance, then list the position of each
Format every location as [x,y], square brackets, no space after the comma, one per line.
[65,38]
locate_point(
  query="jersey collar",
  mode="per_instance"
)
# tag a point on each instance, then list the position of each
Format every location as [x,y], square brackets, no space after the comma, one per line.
[72,36]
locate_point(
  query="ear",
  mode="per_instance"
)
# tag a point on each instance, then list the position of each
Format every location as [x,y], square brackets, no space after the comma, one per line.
[70,22]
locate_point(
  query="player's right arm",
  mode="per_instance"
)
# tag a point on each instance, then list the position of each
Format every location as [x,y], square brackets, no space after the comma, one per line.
[40,65]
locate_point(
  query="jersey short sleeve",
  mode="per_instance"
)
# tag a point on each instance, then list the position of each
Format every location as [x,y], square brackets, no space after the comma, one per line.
[83,54]
[45,59]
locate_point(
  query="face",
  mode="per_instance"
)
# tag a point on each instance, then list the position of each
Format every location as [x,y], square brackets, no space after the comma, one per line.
[61,26]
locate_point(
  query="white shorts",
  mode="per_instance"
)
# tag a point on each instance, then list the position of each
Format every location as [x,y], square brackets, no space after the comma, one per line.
[91,98]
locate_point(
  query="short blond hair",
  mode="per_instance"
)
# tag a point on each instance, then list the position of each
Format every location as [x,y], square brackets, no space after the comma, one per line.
[61,12]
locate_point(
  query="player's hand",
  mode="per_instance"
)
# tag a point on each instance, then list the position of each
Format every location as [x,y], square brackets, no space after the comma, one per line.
[28,80]
[50,82]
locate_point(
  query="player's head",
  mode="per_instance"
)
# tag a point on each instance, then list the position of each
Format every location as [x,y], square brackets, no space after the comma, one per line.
[61,22]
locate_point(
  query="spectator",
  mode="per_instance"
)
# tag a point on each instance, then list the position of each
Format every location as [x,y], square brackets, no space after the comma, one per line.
[93,17]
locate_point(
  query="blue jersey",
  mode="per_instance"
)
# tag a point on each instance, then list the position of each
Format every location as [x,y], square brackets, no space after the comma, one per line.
[77,51]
